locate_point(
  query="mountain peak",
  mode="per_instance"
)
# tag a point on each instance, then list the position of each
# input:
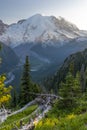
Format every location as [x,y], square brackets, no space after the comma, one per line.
[37,15]
[39,28]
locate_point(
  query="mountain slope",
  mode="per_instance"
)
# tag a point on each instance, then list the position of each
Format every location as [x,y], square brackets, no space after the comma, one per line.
[76,60]
[9,59]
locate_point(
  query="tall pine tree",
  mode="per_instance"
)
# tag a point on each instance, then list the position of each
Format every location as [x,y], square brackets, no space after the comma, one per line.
[25,84]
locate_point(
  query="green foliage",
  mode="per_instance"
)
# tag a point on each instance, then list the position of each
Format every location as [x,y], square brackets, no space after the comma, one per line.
[5,92]
[70,122]
[70,91]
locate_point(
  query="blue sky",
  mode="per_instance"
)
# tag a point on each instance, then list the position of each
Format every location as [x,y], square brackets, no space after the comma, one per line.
[73,10]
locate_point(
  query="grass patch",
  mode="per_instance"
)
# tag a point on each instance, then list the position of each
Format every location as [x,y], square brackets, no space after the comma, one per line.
[15,119]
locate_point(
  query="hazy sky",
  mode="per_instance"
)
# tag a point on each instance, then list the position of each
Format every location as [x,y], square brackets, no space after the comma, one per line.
[73,10]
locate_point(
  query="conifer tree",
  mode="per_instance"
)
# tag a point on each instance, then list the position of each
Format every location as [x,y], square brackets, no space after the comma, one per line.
[25,83]
[28,88]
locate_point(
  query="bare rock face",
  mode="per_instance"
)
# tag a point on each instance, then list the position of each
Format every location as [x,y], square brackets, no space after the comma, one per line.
[3,27]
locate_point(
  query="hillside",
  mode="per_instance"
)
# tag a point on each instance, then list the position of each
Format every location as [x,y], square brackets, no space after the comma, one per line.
[76,61]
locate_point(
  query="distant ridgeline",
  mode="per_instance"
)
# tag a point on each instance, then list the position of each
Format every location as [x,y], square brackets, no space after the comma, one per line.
[74,63]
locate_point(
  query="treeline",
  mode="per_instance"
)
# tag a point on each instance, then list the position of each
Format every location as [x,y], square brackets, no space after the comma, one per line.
[73,92]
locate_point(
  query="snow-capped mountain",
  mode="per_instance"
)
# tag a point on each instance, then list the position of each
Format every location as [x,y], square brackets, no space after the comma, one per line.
[40,29]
